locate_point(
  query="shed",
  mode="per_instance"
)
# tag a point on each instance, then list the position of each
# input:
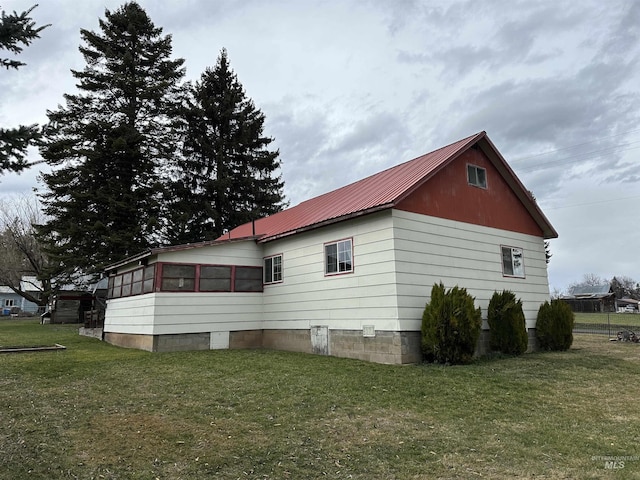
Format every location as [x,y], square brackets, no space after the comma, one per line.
[591,299]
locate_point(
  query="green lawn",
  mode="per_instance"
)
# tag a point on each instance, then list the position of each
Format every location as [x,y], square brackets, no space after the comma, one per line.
[98,411]
[629,319]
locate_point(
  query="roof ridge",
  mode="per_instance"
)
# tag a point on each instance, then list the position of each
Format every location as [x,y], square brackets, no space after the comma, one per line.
[386,170]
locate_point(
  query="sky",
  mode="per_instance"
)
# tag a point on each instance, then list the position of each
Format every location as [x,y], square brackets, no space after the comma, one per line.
[351,87]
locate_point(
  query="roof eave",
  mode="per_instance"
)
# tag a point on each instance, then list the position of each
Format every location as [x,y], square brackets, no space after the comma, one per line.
[131,259]
[175,248]
[518,188]
[324,223]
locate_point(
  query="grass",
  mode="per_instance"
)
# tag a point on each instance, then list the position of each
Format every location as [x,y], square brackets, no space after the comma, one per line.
[98,411]
[629,319]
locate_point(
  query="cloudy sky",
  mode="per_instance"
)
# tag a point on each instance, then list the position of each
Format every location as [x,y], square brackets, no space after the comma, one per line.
[350,87]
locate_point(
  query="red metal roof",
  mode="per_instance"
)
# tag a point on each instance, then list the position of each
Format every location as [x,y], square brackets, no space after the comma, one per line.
[381,191]
[377,192]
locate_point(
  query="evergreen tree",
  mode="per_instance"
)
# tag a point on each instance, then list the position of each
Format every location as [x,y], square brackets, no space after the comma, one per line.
[111,145]
[228,176]
[17,30]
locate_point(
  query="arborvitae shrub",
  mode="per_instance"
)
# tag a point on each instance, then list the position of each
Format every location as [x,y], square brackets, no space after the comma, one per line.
[554,327]
[507,324]
[450,326]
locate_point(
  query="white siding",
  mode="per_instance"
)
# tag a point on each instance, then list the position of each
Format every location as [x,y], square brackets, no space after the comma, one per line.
[397,257]
[307,297]
[207,312]
[190,312]
[182,312]
[246,253]
[133,315]
[431,250]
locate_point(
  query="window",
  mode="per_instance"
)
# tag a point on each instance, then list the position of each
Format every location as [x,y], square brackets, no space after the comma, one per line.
[215,278]
[273,269]
[117,287]
[136,285]
[149,277]
[183,277]
[338,257]
[477,176]
[248,279]
[512,262]
[126,284]
[9,302]
[178,278]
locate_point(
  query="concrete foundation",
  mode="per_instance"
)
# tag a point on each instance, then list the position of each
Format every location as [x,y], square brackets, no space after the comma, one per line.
[484,346]
[129,340]
[381,347]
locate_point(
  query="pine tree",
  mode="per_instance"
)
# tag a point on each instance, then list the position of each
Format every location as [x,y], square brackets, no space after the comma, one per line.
[111,145]
[229,175]
[17,30]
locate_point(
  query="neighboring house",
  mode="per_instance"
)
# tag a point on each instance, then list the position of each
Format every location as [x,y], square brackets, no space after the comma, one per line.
[11,302]
[591,298]
[347,273]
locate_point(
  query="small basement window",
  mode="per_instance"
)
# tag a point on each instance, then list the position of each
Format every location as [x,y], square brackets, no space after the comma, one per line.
[477,176]
[512,262]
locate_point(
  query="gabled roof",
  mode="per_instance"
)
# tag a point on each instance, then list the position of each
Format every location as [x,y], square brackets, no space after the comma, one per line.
[382,191]
[591,291]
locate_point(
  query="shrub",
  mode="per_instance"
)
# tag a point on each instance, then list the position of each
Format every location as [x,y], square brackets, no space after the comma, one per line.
[507,324]
[554,326]
[450,326]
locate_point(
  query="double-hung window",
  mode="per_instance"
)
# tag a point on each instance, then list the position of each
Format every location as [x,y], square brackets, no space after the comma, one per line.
[512,262]
[338,257]
[273,269]
[477,176]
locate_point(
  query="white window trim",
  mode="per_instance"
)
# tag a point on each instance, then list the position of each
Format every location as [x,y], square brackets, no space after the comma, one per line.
[271,257]
[337,244]
[513,267]
[476,167]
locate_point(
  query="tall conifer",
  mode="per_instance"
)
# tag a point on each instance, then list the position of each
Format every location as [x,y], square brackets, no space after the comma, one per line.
[16,32]
[111,145]
[228,176]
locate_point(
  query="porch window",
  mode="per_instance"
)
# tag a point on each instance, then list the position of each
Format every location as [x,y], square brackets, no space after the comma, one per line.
[136,281]
[149,277]
[512,262]
[477,176]
[183,277]
[126,284]
[178,278]
[248,279]
[215,278]
[273,269]
[338,257]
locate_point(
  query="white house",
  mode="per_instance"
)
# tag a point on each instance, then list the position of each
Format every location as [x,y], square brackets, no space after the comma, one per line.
[347,273]
[10,301]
